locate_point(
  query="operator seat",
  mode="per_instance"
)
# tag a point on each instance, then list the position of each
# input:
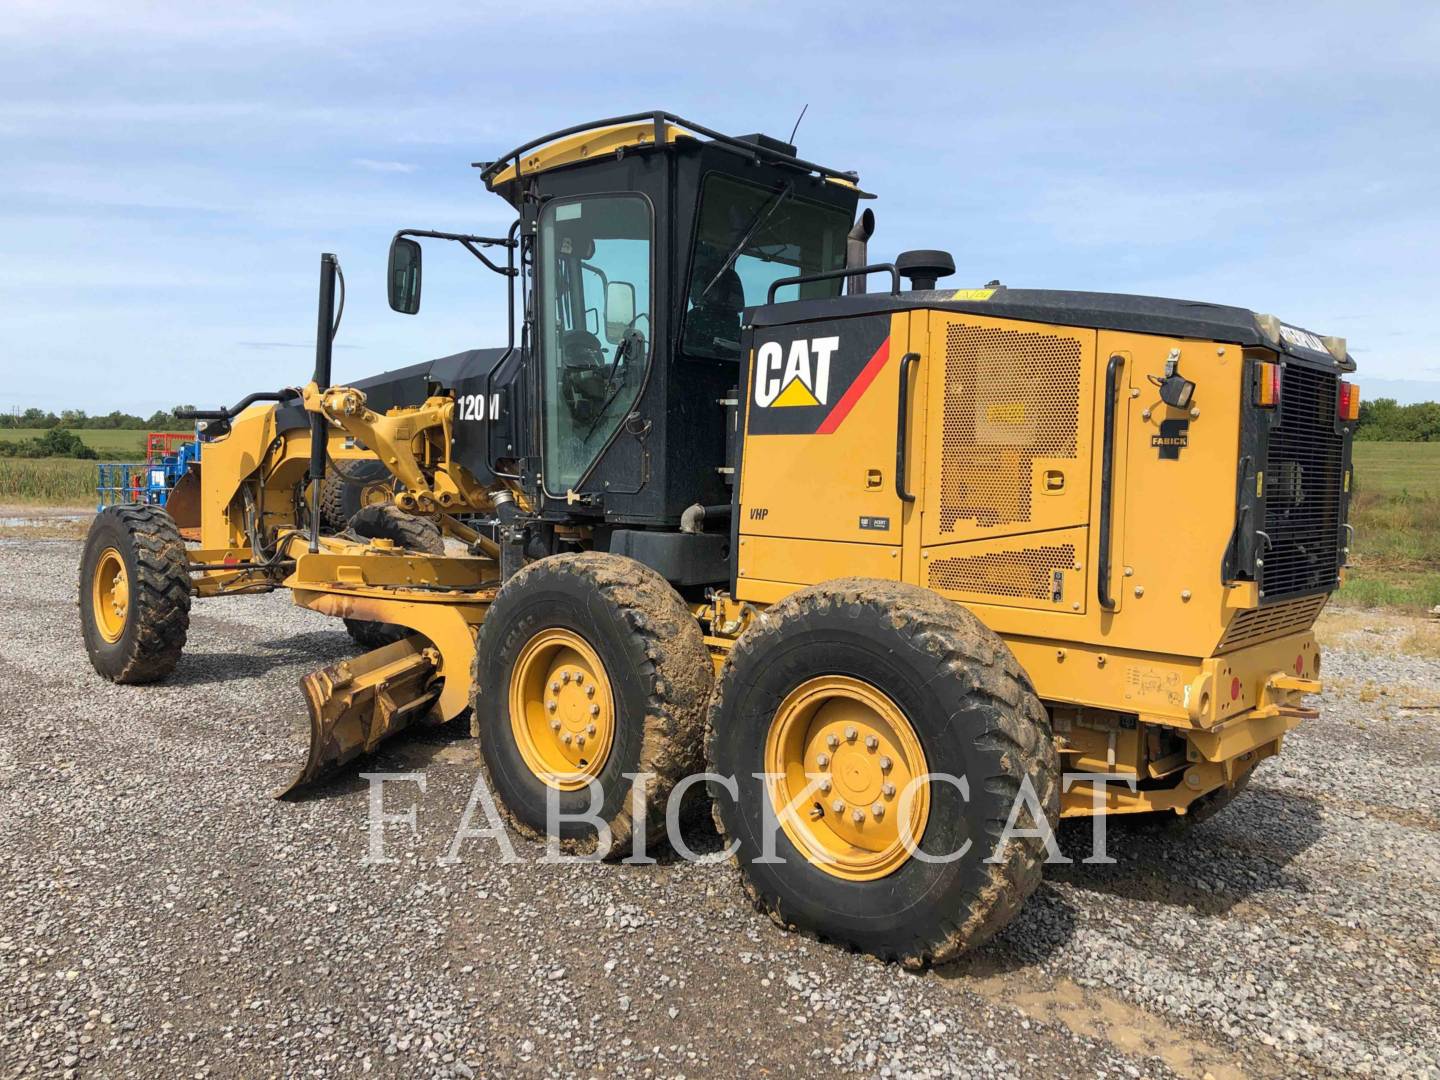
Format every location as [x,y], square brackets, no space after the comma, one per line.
[713,325]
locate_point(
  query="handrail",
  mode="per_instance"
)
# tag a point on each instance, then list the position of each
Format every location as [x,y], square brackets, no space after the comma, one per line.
[240,406]
[846,272]
[489,169]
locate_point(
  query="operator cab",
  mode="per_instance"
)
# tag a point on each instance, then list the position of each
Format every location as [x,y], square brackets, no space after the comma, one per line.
[639,243]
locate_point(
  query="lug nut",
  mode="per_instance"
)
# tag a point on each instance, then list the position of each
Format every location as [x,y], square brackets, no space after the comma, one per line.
[554,687]
[580,740]
[822,760]
[885,764]
[565,677]
[565,738]
[878,809]
[825,785]
[871,742]
[594,710]
[888,790]
[590,690]
[858,816]
[838,806]
[552,705]
[554,725]
[850,734]
[579,677]
[590,730]
[831,741]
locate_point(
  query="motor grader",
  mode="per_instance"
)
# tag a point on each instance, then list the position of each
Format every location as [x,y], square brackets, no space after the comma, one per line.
[908,572]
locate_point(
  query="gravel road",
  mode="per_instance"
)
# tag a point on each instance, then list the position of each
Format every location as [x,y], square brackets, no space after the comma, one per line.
[160,915]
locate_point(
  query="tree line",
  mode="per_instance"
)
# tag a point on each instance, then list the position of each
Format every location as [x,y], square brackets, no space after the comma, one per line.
[1386,420]
[79,420]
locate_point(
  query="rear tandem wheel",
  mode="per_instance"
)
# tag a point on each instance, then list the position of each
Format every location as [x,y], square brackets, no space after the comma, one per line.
[836,701]
[589,670]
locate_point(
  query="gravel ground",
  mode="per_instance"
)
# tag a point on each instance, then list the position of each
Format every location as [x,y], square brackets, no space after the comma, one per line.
[160,915]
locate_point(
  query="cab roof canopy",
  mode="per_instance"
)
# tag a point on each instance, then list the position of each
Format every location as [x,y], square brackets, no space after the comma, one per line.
[637,131]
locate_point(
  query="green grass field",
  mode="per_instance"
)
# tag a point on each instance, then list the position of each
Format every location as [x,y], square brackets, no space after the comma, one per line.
[119,445]
[1395,509]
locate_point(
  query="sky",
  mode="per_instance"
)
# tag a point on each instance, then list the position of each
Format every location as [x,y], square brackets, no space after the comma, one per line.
[170,173]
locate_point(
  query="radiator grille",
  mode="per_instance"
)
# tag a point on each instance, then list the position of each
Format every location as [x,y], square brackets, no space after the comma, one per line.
[1277,620]
[1023,573]
[1304,474]
[1010,397]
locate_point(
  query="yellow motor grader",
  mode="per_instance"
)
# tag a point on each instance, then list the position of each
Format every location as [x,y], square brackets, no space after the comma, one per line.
[911,573]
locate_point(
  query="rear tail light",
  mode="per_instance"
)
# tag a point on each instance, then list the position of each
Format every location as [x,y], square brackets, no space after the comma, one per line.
[1267,385]
[1349,401]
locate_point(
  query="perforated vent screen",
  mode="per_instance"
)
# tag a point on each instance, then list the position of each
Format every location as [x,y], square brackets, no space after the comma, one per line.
[1025,572]
[1010,397]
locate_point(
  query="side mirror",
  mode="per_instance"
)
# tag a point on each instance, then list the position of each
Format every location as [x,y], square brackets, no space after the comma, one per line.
[619,310]
[403,277]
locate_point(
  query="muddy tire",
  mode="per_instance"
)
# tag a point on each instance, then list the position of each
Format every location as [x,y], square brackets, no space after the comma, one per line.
[622,624]
[134,594]
[342,496]
[948,684]
[386,521]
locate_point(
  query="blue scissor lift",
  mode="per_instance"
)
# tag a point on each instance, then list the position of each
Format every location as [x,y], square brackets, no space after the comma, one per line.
[167,456]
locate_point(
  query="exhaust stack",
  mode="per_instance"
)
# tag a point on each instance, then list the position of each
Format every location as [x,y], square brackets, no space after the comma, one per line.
[856,243]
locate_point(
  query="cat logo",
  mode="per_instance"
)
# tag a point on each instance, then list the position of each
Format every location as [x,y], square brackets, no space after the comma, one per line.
[798,379]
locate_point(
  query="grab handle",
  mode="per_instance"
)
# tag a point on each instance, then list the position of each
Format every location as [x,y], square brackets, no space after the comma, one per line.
[1107,466]
[902,426]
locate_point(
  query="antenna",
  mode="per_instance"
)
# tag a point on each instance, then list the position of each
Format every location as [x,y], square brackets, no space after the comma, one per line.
[796,128]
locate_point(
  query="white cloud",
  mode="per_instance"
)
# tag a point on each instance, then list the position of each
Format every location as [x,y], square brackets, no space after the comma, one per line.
[384,166]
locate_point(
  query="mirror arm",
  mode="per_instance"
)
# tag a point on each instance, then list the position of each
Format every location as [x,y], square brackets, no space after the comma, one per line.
[470,243]
[503,271]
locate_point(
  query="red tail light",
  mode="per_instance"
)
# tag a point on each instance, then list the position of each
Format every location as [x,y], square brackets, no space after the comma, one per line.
[1349,401]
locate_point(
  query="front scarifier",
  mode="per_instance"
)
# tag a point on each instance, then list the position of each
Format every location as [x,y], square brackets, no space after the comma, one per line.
[940,543]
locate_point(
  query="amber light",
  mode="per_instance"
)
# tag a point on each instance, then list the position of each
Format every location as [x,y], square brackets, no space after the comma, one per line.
[1267,385]
[1349,401]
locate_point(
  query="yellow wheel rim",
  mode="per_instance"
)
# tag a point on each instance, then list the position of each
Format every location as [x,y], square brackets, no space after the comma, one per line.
[562,711]
[844,761]
[110,595]
[376,493]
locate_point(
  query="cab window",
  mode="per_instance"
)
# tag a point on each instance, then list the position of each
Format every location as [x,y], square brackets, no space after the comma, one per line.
[595,325]
[748,237]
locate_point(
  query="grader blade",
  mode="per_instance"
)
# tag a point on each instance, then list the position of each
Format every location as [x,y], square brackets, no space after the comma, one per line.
[357,704]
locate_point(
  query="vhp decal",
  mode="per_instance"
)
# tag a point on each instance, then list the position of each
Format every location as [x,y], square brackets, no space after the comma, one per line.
[807,378]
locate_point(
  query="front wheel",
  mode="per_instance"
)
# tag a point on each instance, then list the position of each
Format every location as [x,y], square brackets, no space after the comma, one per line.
[878,737]
[134,594]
